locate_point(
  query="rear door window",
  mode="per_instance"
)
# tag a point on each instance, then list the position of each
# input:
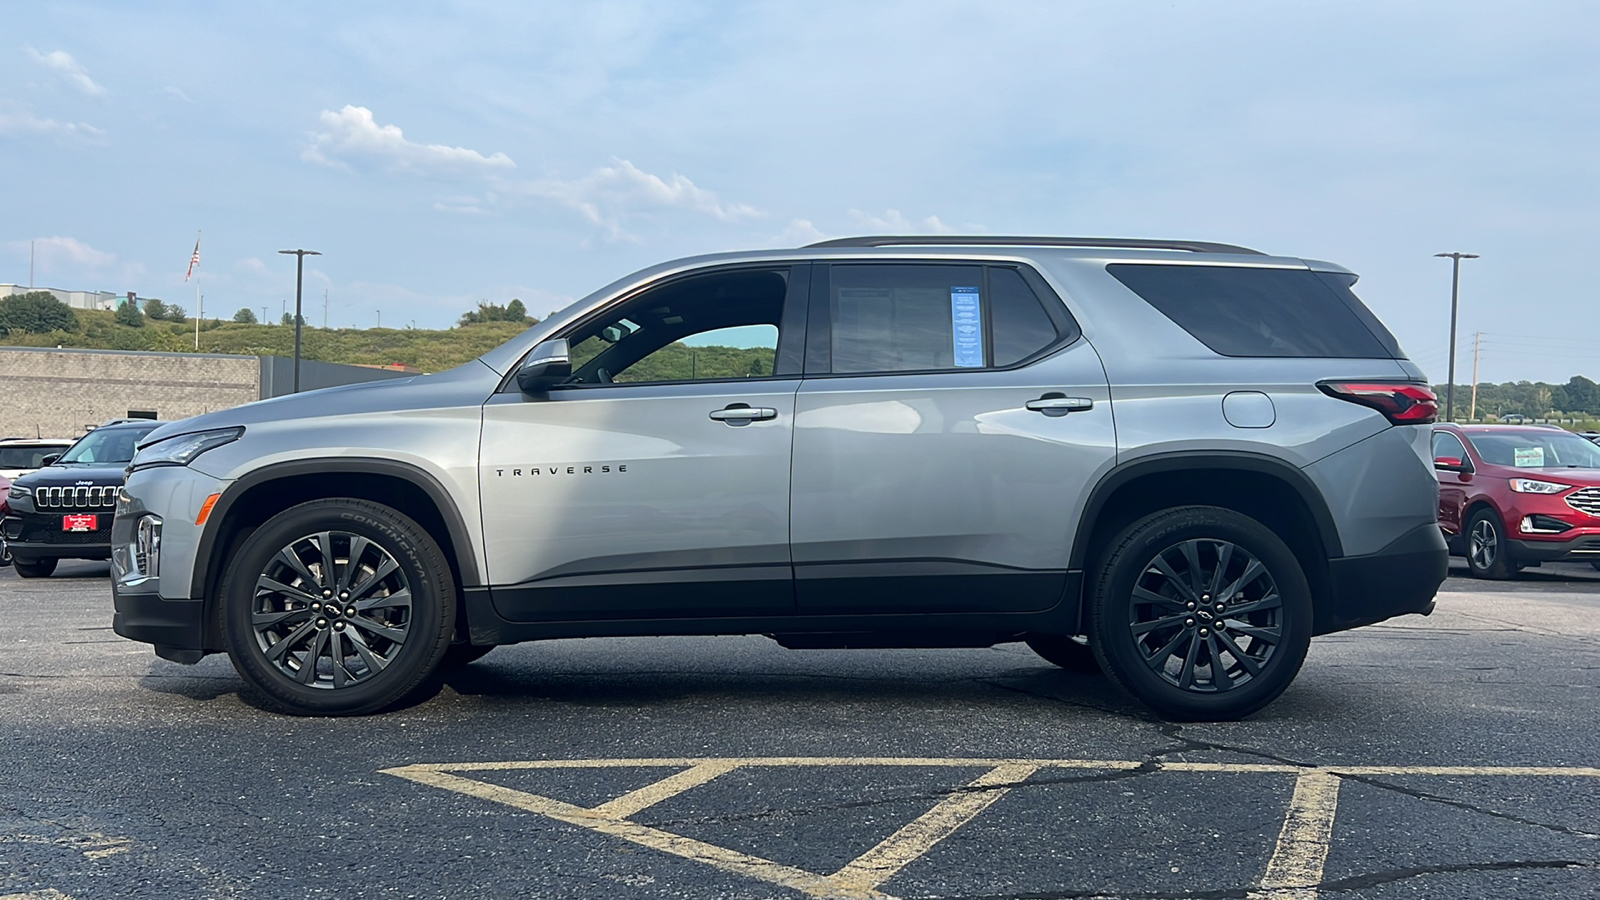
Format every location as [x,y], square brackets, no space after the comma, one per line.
[1255,311]
[903,317]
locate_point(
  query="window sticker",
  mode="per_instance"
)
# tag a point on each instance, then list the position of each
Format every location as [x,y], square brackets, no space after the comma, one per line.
[1528,457]
[966,327]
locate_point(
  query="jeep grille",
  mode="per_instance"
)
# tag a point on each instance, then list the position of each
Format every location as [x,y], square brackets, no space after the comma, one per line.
[100,496]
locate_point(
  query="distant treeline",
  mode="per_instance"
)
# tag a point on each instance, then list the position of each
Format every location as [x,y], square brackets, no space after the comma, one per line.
[1578,397]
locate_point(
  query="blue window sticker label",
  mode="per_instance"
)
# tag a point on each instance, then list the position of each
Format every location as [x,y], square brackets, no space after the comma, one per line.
[966,327]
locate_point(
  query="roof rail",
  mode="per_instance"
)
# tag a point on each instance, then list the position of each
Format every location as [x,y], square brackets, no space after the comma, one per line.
[1001,240]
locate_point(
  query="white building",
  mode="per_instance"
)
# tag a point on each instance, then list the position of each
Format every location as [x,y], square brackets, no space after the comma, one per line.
[74,299]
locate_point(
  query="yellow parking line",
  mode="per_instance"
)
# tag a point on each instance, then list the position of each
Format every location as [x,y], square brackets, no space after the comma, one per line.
[1293,872]
[648,796]
[720,857]
[1297,862]
[898,850]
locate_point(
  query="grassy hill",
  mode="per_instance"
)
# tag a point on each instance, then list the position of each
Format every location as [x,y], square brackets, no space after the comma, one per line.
[428,350]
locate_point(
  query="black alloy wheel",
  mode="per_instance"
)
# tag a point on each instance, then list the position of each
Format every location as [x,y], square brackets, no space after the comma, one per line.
[1201,612]
[1488,555]
[337,607]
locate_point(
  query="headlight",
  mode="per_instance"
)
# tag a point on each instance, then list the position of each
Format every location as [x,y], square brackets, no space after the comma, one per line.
[18,492]
[181,450]
[1531,486]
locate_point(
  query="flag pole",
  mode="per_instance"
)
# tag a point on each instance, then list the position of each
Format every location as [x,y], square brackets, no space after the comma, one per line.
[199,304]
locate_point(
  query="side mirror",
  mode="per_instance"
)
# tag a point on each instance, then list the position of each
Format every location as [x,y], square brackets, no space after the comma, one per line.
[1451,464]
[547,366]
[49,460]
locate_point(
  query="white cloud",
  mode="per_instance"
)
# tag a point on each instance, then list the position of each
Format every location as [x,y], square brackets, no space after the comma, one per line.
[18,119]
[62,63]
[467,205]
[612,194]
[251,265]
[892,222]
[175,92]
[351,134]
[55,253]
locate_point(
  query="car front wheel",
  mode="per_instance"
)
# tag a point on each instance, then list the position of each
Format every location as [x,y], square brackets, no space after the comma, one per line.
[1488,556]
[1201,613]
[337,607]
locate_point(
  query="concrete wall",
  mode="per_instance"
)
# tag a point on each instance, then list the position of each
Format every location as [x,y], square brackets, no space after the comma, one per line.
[57,393]
[277,375]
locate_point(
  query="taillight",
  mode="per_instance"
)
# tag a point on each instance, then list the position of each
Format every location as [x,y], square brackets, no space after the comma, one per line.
[1402,403]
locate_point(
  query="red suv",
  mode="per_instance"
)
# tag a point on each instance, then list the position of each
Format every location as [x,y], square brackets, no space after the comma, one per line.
[1517,495]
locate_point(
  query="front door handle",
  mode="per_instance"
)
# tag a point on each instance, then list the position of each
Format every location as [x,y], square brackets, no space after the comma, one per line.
[743,414]
[1058,404]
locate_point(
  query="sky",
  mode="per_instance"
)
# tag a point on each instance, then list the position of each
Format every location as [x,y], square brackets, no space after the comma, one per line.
[443,154]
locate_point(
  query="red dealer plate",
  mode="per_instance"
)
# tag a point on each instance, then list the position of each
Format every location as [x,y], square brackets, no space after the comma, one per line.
[81,522]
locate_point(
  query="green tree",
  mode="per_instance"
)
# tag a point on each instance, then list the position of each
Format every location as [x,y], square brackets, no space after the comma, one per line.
[176,313]
[36,312]
[128,314]
[1581,395]
[245,316]
[287,319]
[155,309]
[514,311]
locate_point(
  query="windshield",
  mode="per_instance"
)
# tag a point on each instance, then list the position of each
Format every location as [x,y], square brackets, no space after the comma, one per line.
[1529,450]
[107,445]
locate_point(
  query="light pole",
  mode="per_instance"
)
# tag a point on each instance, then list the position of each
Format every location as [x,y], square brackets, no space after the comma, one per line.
[299,274]
[1455,290]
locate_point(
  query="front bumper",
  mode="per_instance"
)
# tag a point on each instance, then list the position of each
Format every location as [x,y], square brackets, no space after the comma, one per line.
[175,627]
[1585,546]
[34,536]
[168,609]
[1401,578]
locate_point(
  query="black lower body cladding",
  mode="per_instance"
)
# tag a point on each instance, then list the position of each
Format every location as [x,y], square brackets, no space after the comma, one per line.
[1399,579]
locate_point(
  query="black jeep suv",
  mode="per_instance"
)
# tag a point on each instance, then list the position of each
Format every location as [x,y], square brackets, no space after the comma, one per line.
[63,511]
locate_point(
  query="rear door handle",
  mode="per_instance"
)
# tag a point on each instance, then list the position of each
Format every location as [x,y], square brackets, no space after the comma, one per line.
[1057,404]
[743,414]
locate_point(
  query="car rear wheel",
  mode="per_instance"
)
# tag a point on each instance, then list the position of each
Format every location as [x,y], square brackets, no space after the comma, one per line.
[35,568]
[1488,555]
[1070,653]
[337,607]
[1201,613]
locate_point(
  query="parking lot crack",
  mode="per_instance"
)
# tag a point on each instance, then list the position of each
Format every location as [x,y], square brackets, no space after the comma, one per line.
[1468,807]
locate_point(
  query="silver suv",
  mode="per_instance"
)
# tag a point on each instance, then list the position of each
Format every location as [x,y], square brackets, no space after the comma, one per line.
[1172,461]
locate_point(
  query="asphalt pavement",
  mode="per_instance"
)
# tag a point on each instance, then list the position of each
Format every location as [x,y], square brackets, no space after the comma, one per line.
[1450,756]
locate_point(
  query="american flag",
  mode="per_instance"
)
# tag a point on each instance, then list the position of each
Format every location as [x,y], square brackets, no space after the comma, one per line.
[193,260]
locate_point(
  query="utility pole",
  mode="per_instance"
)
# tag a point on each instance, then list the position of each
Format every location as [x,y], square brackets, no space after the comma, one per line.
[263,315]
[1472,412]
[380,318]
[299,278]
[1455,286]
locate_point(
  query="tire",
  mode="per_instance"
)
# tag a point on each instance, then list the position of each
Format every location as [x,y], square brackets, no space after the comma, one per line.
[38,568]
[1488,555]
[302,656]
[1165,628]
[1065,651]
[458,655]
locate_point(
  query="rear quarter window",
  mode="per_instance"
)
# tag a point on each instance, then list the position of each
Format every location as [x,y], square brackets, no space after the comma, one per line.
[1253,311]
